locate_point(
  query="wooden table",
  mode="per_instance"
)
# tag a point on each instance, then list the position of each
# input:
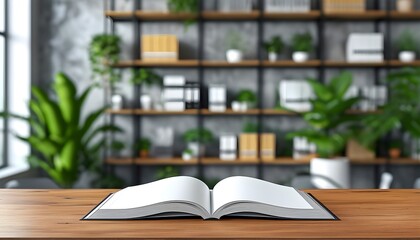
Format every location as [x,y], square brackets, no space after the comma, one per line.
[42,214]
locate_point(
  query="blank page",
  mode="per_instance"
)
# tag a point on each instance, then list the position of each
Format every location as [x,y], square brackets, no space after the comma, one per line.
[246,189]
[170,189]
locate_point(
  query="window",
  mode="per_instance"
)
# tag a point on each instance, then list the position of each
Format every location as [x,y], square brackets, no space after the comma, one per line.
[3,44]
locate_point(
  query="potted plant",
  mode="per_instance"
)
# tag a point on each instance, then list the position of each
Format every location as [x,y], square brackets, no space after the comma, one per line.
[302,46]
[117,147]
[245,100]
[328,120]
[407,46]
[187,154]
[394,150]
[235,47]
[149,78]
[273,48]
[143,146]
[63,143]
[196,138]
[184,6]
[404,5]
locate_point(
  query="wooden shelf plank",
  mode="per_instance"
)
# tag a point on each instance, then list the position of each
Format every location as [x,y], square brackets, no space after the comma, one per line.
[164,16]
[120,15]
[397,63]
[331,63]
[120,112]
[119,161]
[366,15]
[231,112]
[217,15]
[314,14]
[290,63]
[414,15]
[276,112]
[222,63]
[140,63]
[218,161]
[154,112]
[164,161]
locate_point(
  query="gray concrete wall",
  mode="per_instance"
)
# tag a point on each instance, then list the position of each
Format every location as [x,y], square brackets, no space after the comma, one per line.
[67,26]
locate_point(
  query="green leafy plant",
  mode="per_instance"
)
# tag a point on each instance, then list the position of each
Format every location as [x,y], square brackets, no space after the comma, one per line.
[198,135]
[407,42]
[167,171]
[63,144]
[275,45]
[329,122]
[234,41]
[184,6]
[143,144]
[247,96]
[145,76]
[396,144]
[117,145]
[250,127]
[188,151]
[302,42]
[104,51]
[401,111]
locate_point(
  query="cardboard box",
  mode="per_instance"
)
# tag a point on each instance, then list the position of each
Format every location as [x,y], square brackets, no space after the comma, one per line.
[344,6]
[248,146]
[268,146]
[355,151]
[157,48]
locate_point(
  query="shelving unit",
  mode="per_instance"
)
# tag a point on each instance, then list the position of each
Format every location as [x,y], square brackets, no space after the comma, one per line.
[259,16]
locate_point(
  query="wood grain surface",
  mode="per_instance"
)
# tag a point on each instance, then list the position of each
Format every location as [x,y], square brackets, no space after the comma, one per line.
[55,214]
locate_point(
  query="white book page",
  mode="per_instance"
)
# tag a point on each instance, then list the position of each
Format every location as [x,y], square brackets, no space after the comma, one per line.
[180,189]
[246,189]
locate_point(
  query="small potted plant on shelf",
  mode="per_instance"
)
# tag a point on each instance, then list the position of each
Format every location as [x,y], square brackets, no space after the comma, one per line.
[187,154]
[302,46]
[245,100]
[184,6]
[149,78]
[273,48]
[196,138]
[235,47]
[407,46]
[404,5]
[143,146]
[117,147]
[394,150]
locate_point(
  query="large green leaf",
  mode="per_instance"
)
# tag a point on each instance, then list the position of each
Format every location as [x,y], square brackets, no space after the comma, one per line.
[44,146]
[340,84]
[90,120]
[322,92]
[66,93]
[101,129]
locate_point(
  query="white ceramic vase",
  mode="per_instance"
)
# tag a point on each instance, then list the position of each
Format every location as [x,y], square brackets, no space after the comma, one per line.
[236,106]
[272,56]
[404,5]
[330,173]
[117,102]
[186,156]
[146,102]
[300,56]
[197,149]
[407,56]
[234,55]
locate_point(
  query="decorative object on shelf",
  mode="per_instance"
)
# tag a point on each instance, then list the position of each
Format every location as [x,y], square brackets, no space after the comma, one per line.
[117,102]
[328,119]
[167,172]
[395,149]
[268,146]
[402,110]
[303,149]
[187,155]
[287,6]
[159,48]
[356,151]
[273,48]
[295,95]
[247,99]
[196,140]
[407,45]
[63,144]
[217,98]
[117,147]
[235,47]
[330,174]
[104,51]
[248,146]
[302,45]
[163,143]
[146,102]
[237,106]
[365,47]
[143,147]
[234,5]
[192,95]
[173,93]
[228,147]
[405,5]
[184,6]
[344,6]
[144,76]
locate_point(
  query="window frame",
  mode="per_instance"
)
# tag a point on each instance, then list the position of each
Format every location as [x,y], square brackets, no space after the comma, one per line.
[4,35]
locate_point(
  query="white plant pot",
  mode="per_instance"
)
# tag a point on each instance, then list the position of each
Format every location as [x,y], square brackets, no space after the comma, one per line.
[187,156]
[300,56]
[404,5]
[197,149]
[146,102]
[272,56]
[117,102]
[407,56]
[244,106]
[236,106]
[328,173]
[234,55]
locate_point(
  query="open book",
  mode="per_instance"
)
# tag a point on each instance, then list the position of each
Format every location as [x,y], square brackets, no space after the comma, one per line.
[187,196]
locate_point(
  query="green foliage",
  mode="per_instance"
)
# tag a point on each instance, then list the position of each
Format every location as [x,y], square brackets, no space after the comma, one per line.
[407,42]
[117,145]
[396,143]
[198,135]
[234,41]
[275,45]
[62,143]
[246,95]
[167,172]
[143,144]
[302,42]
[184,6]
[188,151]
[145,76]
[104,51]
[250,127]
[329,123]
[401,110]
